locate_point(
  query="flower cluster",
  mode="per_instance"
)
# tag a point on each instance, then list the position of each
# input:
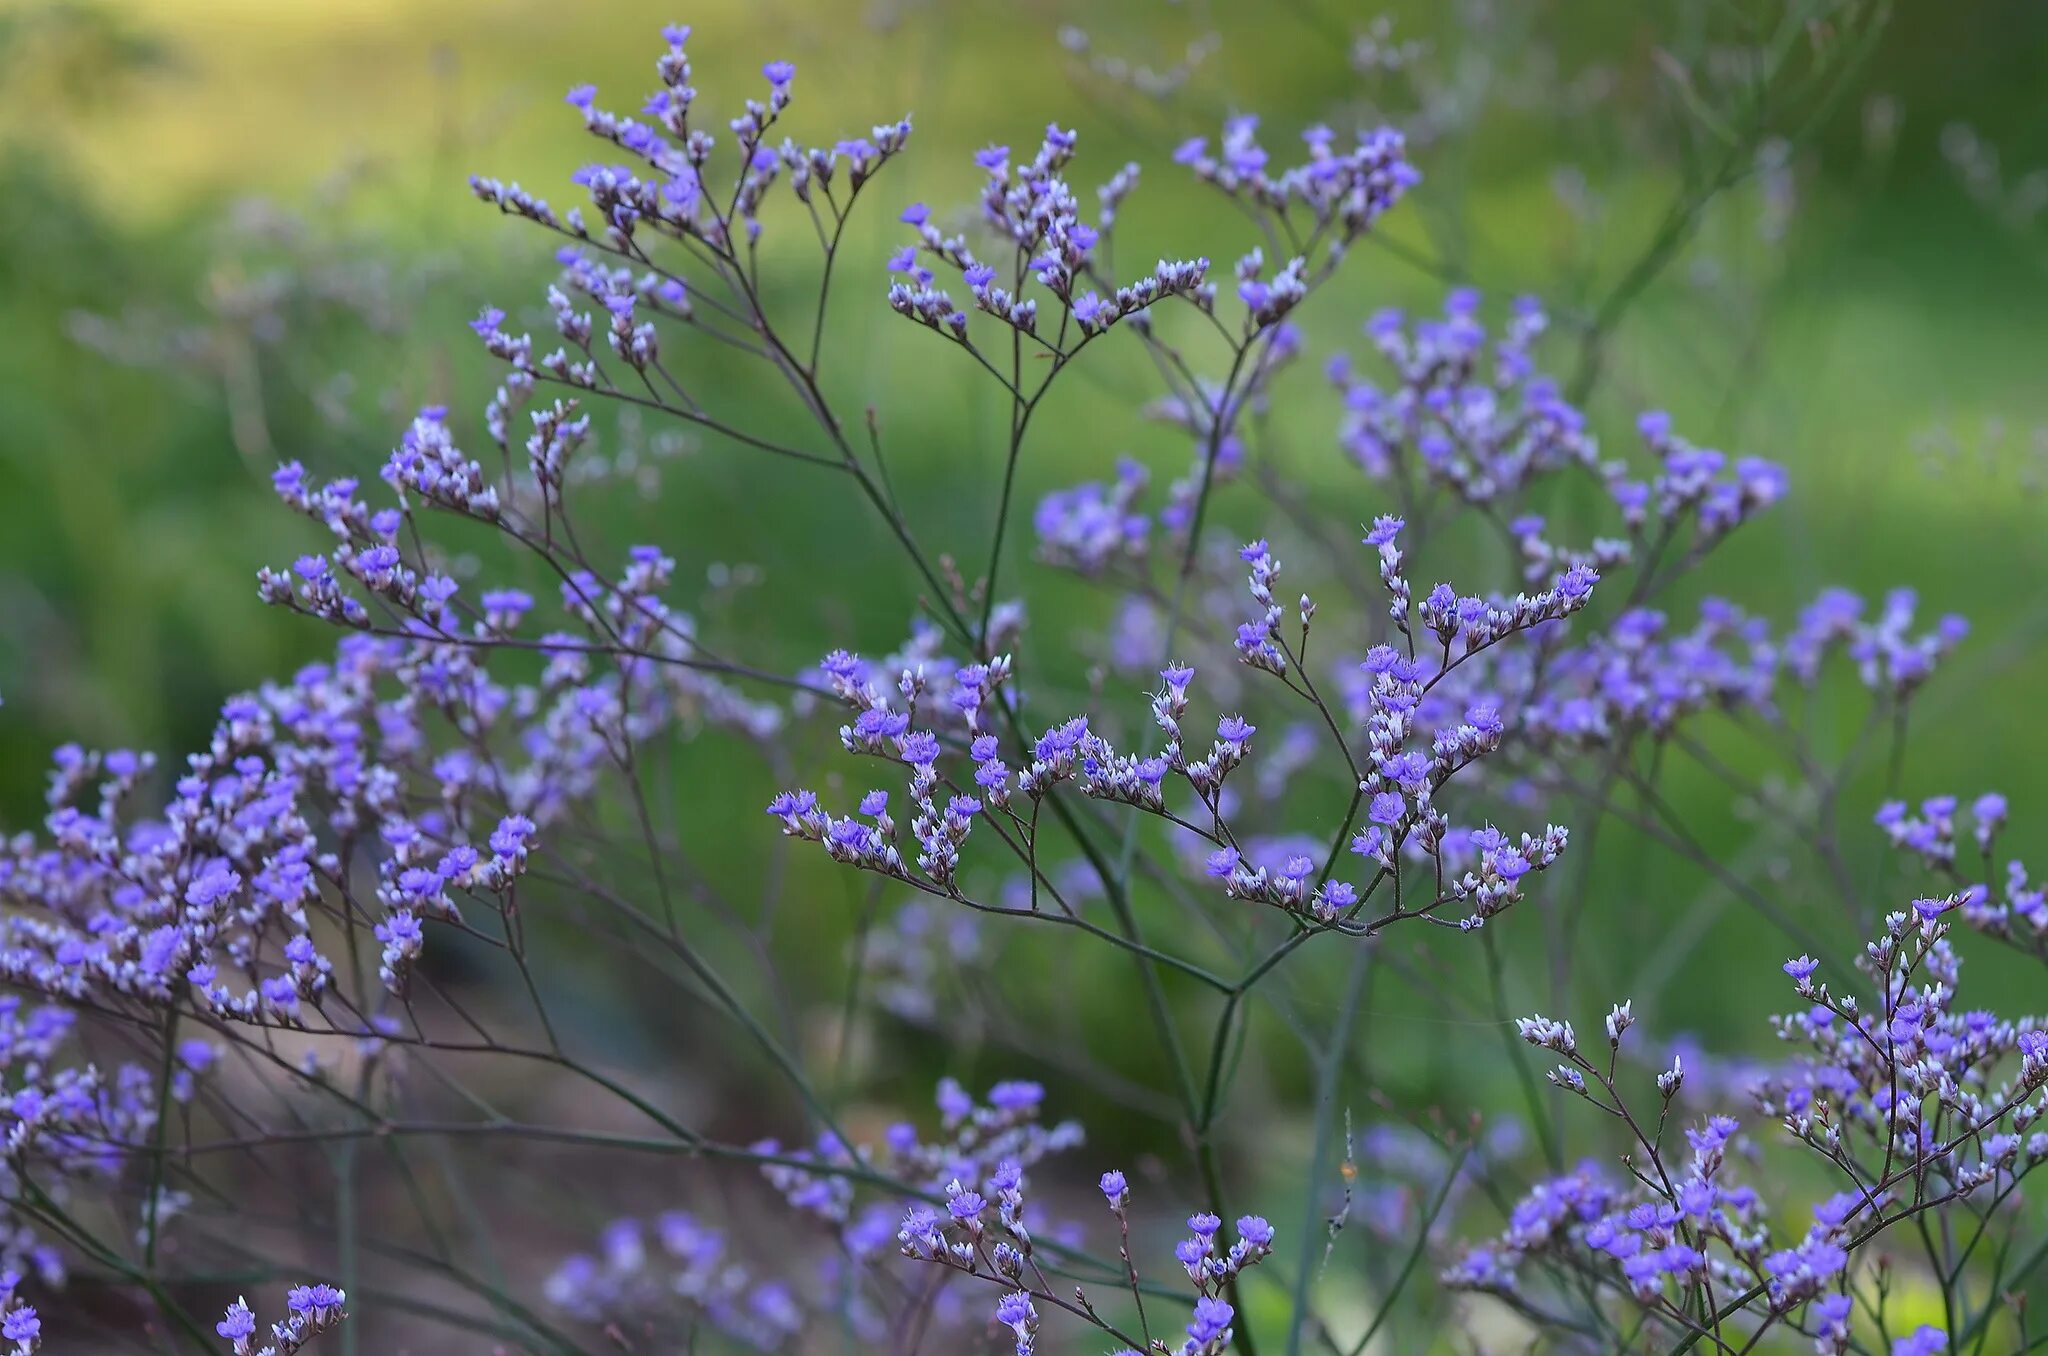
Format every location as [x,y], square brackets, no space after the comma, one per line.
[1911,1102]
[1028,206]
[985,1238]
[1342,188]
[69,1124]
[908,960]
[20,1324]
[2003,903]
[1091,526]
[310,1311]
[478,764]
[211,905]
[974,1140]
[683,1271]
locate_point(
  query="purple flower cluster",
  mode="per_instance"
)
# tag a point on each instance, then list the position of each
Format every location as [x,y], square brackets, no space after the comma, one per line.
[908,961]
[310,1311]
[676,1272]
[985,1238]
[483,740]
[1395,783]
[974,1140]
[211,901]
[1480,421]
[1092,527]
[20,1324]
[1342,189]
[2003,903]
[1028,206]
[1912,1103]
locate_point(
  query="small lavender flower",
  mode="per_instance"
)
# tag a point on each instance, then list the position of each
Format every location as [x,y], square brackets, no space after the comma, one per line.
[238,1324]
[22,1327]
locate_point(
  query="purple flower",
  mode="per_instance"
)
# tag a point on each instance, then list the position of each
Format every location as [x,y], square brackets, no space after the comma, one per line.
[1015,1095]
[214,884]
[1384,530]
[1408,770]
[21,1325]
[238,1323]
[1926,1340]
[1929,910]
[319,1303]
[1212,1319]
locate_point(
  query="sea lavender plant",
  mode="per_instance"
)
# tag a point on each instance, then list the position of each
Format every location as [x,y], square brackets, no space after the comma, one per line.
[347,933]
[1915,1106]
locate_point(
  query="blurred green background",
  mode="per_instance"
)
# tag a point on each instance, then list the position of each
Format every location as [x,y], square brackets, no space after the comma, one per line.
[233,231]
[267,201]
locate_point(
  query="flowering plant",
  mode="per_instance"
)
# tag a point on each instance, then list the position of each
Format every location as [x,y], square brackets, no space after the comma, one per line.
[354,930]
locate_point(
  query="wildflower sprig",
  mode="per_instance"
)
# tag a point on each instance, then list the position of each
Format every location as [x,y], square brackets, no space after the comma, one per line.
[1911,1104]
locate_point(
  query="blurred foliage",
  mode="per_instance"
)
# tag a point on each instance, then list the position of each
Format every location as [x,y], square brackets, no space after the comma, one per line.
[76,57]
